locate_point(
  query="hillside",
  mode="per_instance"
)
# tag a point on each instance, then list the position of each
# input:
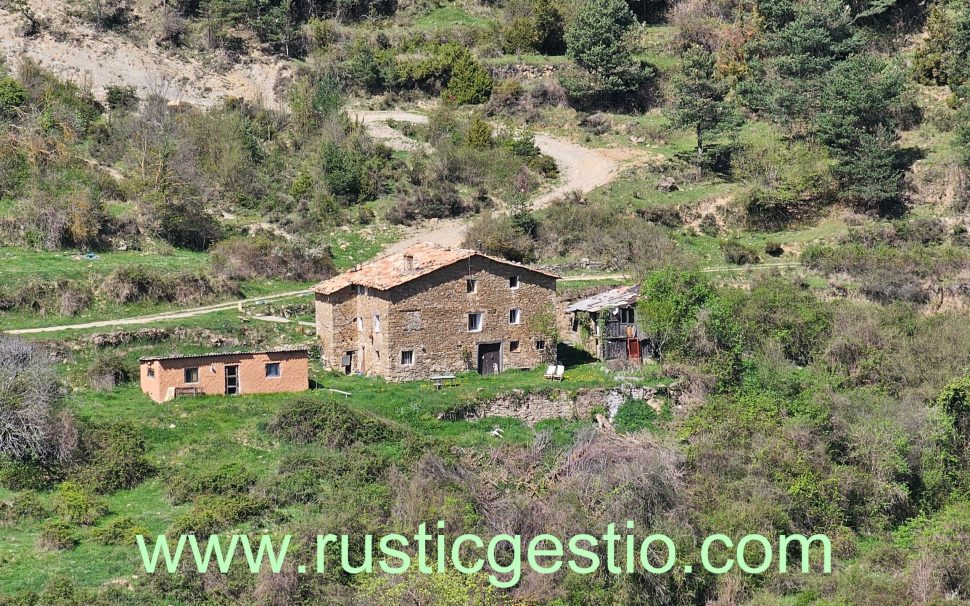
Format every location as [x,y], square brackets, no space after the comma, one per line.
[787,182]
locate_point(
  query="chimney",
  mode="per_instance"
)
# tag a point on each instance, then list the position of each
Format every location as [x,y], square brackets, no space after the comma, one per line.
[408,262]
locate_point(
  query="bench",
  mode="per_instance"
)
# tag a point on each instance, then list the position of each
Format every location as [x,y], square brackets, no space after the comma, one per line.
[439,381]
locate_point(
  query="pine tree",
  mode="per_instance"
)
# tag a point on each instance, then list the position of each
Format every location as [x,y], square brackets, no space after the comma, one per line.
[699,98]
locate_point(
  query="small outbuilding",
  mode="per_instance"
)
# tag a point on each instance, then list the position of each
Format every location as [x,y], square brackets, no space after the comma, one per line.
[164,378]
[605,325]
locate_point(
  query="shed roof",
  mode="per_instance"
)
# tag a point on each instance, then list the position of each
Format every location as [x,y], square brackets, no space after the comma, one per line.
[391,271]
[216,354]
[623,296]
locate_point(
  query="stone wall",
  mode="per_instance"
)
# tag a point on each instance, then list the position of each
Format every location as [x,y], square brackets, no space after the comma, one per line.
[340,331]
[554,403]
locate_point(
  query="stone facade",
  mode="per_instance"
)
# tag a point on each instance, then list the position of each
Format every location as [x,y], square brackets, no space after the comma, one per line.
[420,327]
[161,377]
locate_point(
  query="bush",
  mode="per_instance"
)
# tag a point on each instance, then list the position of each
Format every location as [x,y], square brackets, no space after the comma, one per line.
[58,535]
[118,458]
[36,429]
[738,253]
[469,82]
[118,531]
[306,420]
[12,95]
[211,514]
[25,505]
[77,504]
[184,224]
[121,97]
[498,235]
[232,478]
[545,166]
[436,201]
[479,135]
[108,370]
[247,258]
[142,284]
[634,415]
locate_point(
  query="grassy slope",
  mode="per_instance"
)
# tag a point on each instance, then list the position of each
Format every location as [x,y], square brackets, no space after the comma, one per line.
[205,433]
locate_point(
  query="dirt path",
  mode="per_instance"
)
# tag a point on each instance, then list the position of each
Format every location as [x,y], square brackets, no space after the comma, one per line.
[160,317]
[581,169]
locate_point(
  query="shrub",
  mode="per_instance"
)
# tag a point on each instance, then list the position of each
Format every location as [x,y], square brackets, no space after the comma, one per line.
[121,97]
[246,258]
[25,505]
[35,427]
[545,166]
[634,415]
[436,201]
[58,535]
[184,224]
[77,504]
[498,235]
[739,254]
[479,135]
[118,458]
[469,82]
[210,514]
[108,370]
[233,478]
[118,531]
[306,420]
[142,284]
[12,95]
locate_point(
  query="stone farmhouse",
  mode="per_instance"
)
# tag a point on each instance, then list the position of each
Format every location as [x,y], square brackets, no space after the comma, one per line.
[430,310]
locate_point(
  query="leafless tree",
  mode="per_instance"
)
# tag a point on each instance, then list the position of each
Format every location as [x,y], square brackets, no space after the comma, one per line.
[32,424]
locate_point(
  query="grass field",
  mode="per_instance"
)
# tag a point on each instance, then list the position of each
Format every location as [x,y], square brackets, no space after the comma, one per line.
[197,434]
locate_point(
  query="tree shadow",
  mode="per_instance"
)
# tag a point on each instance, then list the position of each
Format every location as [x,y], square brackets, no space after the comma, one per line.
[570,356]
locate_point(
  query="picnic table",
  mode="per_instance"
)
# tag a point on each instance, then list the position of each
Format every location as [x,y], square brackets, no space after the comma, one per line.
[440,381]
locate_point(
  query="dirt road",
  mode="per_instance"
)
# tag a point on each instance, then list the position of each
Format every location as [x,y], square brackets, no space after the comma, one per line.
[160,317]
[581,169]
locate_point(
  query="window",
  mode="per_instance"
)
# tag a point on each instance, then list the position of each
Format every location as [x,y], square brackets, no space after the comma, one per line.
[191,375]
[151,372]
[412,320]
[475,322]
[360,323]
[514,346]
[377,323]
[471,285]
[273,370]
[407,357]
[626,315]
[513,282]
[540,344]
[515,316]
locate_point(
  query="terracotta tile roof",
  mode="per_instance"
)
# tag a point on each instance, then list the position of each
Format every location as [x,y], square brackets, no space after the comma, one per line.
[623,296]
[390,271]
[214,354]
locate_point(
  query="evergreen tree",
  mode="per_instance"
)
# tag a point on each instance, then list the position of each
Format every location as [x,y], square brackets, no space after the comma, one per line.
[801,43]
[857,123]
[699,98]
[599,41]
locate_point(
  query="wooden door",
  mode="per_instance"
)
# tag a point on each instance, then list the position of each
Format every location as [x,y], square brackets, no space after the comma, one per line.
[489,358]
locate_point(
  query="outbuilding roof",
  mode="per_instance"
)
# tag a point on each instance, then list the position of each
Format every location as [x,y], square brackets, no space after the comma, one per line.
[216,354]
[624,296]
[413,262]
